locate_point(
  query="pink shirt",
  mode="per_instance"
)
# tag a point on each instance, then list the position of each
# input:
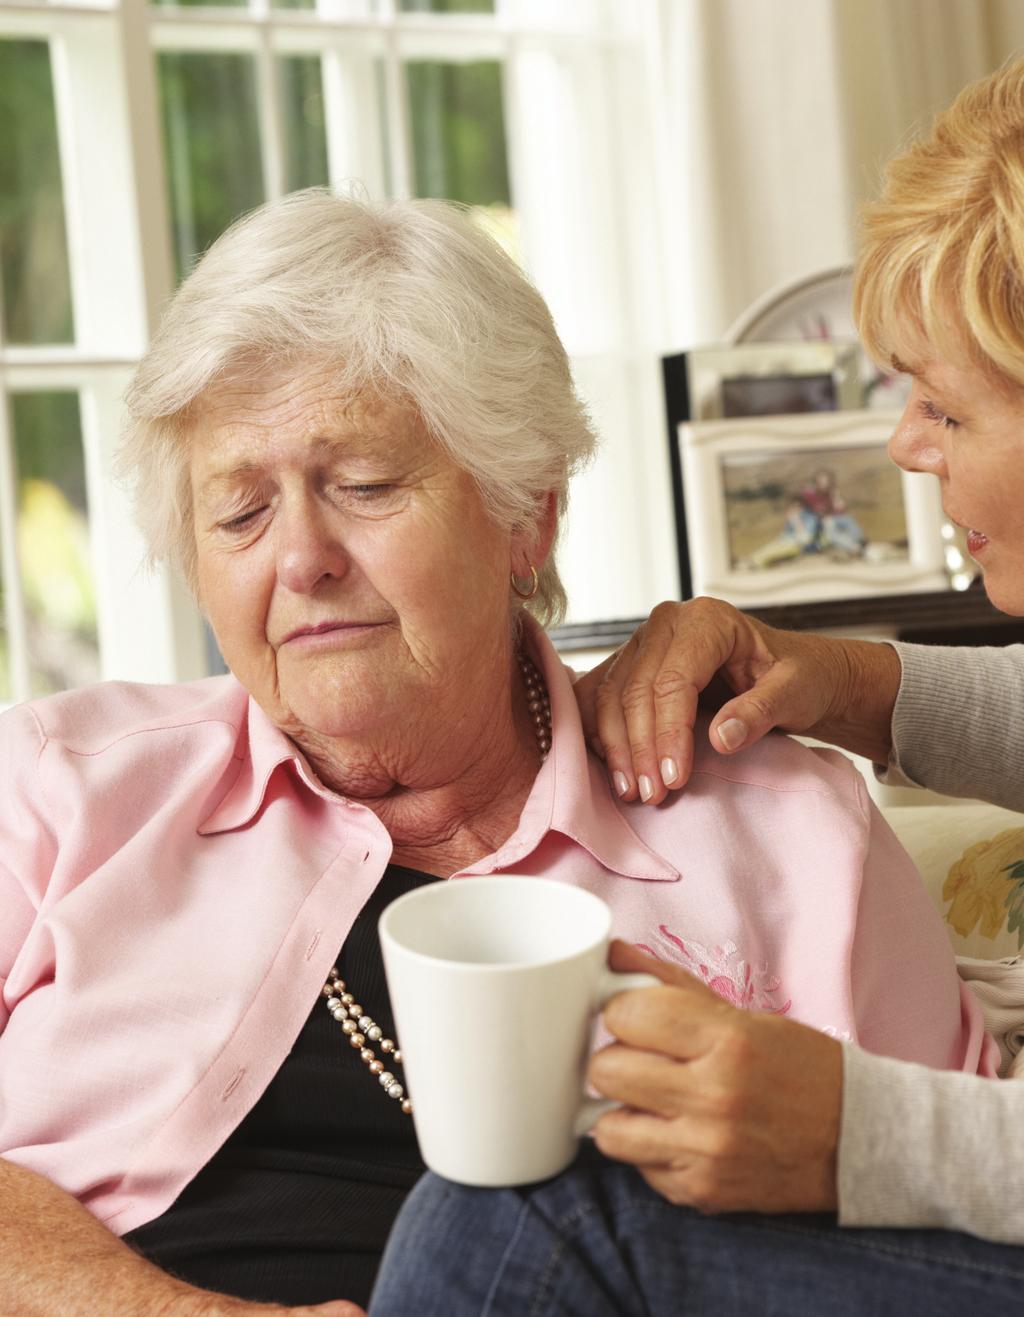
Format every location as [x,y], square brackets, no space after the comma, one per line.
[175,885]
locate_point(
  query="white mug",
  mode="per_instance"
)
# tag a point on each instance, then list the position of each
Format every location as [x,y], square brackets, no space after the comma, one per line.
[495,983]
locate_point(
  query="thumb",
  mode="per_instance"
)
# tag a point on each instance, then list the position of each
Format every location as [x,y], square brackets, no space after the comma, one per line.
[625,958]
[750,716]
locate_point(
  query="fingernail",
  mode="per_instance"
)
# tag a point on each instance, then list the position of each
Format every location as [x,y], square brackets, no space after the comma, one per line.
[646,787]
[621,783]
[732,733]
[669,771]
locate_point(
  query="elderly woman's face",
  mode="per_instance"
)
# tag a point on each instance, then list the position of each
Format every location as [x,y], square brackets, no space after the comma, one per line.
[347,566]
[959,426]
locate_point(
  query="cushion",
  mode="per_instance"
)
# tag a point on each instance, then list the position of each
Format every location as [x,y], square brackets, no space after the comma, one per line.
[972,860]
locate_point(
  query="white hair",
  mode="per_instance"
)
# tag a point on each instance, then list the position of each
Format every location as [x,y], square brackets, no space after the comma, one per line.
[407,298]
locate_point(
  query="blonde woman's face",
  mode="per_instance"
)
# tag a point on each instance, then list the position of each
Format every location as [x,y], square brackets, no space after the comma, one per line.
[348,567]
[963,428]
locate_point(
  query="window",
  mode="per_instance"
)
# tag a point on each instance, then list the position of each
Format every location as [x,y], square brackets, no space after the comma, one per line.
[131,134]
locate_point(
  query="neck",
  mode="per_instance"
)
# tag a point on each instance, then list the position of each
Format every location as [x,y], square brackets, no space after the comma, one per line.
[450,792]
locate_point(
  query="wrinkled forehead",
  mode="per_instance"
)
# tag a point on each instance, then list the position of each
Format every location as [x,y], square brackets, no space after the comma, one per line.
[305,401]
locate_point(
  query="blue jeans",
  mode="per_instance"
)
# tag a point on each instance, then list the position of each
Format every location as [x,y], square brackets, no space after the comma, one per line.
[598,1242]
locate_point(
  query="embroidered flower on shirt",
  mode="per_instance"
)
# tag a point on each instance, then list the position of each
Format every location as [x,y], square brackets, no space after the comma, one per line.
[723,970]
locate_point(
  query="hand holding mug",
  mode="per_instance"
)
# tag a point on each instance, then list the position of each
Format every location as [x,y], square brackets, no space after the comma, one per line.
[724,1110]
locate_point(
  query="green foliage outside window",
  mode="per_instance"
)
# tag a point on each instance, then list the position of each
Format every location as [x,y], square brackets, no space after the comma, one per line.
[302,108]
[447,6]
[35,285]
[212,145]
[458,131]
[53,541]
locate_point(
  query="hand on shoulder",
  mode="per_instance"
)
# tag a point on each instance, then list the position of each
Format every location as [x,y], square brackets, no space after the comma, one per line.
[640,705]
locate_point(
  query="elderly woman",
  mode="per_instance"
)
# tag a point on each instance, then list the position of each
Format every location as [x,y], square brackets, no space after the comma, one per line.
[727,1113]
[354,433]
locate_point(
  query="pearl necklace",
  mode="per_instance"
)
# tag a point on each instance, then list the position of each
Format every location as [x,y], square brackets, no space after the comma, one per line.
[362,1029]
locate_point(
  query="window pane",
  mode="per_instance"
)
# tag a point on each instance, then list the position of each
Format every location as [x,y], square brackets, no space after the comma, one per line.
[211,139]
[447,6]
[302,106]
[458,140]
[53,541]
[35,285]
[5,663]
[458,131]
[336,10]
[201,4]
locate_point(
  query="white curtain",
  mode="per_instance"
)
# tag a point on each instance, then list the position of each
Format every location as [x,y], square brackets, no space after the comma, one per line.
[776,117]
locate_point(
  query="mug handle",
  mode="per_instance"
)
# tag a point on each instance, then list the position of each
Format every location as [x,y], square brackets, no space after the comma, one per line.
[609,984]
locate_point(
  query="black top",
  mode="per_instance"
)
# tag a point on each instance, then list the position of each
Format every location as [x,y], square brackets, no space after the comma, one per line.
[296,1206]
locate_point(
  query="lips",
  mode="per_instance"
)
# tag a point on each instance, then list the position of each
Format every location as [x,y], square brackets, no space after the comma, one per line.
[320,628]
[977,540]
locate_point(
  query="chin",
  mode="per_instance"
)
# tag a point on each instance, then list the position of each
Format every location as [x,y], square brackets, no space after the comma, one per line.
[344,725]
[1008,597]
[336,709]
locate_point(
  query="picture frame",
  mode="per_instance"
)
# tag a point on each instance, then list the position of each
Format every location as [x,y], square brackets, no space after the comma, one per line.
[819,306]
[757,379]
[803,508]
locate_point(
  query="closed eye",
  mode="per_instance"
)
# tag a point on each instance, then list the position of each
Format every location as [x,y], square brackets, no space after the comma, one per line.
[932,413]
[242,522]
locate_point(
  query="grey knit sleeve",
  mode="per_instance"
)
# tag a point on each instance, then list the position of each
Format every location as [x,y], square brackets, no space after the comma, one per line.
[931,1148]
[958,722]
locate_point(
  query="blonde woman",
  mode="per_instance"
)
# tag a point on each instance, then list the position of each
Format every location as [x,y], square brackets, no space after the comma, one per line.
[723,1115]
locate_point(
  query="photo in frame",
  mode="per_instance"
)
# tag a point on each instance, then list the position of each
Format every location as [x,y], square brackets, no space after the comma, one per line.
[801,508]
[771,379]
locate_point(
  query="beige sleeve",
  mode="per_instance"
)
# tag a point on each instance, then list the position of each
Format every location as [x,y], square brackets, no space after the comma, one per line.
[923,1147]
[958,724]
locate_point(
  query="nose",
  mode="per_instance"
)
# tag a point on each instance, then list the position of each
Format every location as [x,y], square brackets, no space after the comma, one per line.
[307,548]
[918,443]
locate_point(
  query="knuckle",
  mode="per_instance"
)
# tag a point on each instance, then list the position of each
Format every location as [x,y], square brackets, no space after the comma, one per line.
[602,1066]
[763,708]
[706,605]
[668,610]
[611,1134]
[606,696]
[676,1191]
[670,683]
[617,1015]
[728,1108]
[703,1189]
[736,1045]
[635,694]
[723,1142]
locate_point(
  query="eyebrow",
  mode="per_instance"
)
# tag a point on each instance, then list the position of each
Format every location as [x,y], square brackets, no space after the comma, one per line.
[902,368]
[320,447]
[233,476]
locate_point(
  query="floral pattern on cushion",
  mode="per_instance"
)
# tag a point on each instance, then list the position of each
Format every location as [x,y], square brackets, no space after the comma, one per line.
[972,870]
[985,887]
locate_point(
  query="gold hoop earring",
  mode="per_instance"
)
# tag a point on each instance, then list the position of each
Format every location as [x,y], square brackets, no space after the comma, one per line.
[534,584]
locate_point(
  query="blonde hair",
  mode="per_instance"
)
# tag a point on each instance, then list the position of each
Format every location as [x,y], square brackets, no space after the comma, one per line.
[409,299]
[941,263]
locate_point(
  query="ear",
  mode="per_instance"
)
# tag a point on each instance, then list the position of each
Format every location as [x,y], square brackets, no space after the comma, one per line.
[531,545]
